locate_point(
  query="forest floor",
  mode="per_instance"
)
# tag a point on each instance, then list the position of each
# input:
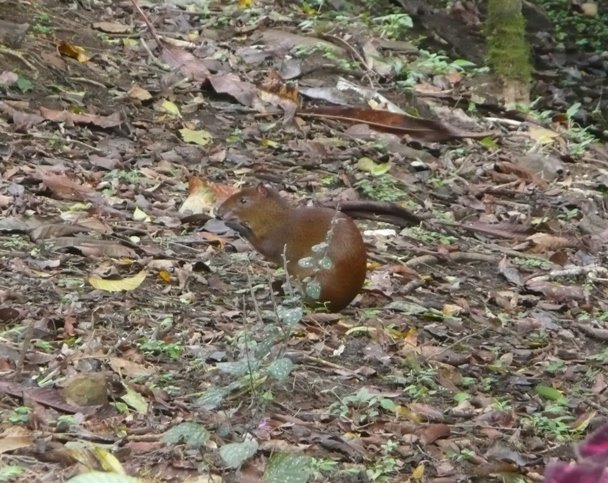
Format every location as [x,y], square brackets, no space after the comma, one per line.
[136,336]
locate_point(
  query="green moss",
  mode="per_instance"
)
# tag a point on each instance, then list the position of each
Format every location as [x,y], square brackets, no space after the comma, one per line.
[507,49]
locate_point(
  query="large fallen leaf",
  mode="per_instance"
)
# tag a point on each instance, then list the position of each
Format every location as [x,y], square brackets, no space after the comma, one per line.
[129,368]
[192,434]
[91,247]
[65,188]
[229,83]
[113,120]
[235,454]
[135,400]
[46,396]
[15,437]
[88,389]
[291,467]
[189,65]
[203,195]
[417,128]
[200,137]
[113,285]
[542,135]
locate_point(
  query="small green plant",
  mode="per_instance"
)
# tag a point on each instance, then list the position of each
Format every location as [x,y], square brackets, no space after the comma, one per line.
[166,381]
[393,26]
[467,381]
[502,405]
[420,383]
[323,466]
[330,180]
[594,34]
[20,415]
[460,397]
[130,176]
[66,421]
[532,263]
[44,346]
[551,426]
[387,465]
[326,52]
[10,472]
[429,64]
[538,338]
[487,384]
[172,350]
[601,357]
[553,367]
[430,237]
[569,214]
[464,454]
[236,136]
[42,23]
[362,407]
[381,188]
[15,242]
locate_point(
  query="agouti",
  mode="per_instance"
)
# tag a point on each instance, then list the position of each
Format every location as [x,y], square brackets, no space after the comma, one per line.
[274,227]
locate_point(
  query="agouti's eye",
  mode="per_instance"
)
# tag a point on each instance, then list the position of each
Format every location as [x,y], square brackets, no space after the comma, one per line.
[243,200]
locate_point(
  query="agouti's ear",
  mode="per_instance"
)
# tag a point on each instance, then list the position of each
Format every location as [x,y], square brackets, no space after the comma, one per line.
[262,190]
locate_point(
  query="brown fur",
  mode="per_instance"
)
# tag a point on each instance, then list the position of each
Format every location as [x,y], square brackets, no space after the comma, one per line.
[271,225]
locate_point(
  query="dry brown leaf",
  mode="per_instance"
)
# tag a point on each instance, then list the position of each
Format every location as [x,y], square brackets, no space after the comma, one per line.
[112,27]
[54,230]
[91,247]
[139,93]
[113,120]
[433,432]
[229,83]
[65,188]
[543,242]
[507,167]
[558,293]
[417,128]
[189,65]
[15,437]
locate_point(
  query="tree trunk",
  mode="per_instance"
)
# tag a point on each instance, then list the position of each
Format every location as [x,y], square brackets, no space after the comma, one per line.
[507,49]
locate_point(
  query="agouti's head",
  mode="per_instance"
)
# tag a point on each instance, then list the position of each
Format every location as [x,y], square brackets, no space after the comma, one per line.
[252,211]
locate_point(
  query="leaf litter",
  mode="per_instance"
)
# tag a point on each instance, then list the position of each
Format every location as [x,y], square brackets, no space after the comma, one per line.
[139,336]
